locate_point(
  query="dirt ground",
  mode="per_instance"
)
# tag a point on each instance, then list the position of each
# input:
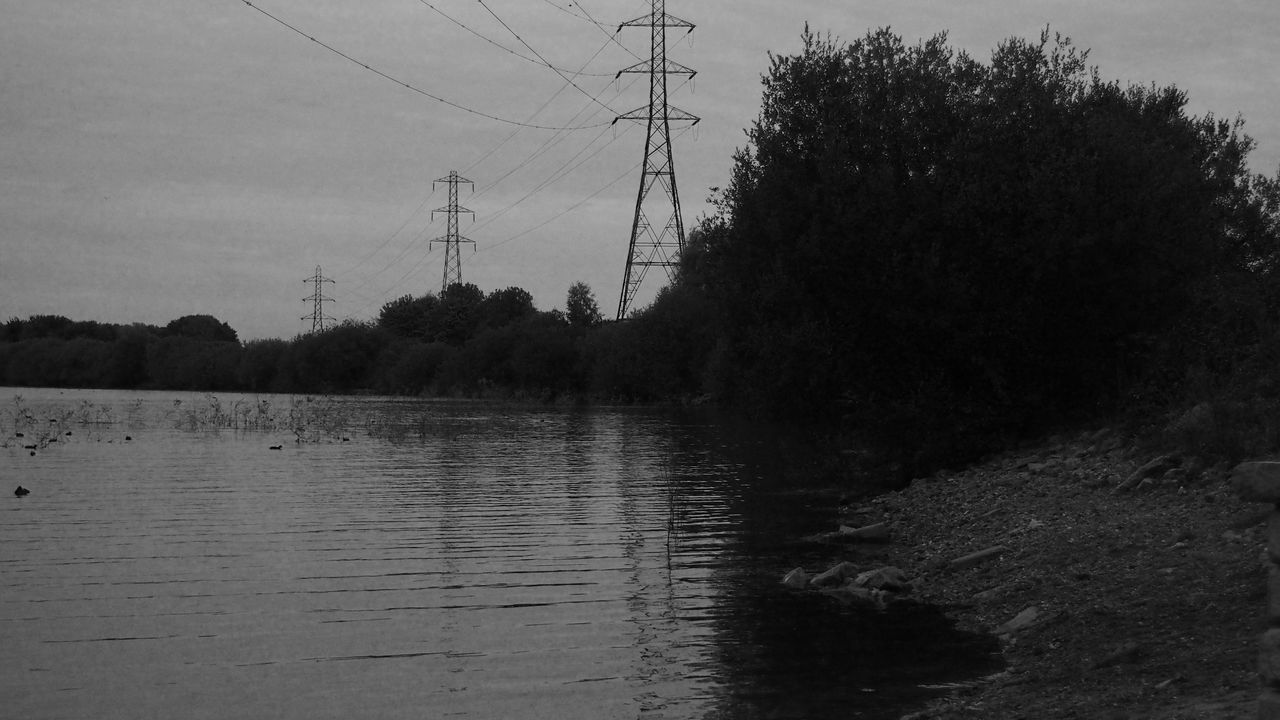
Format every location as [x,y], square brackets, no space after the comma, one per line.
[1141,603]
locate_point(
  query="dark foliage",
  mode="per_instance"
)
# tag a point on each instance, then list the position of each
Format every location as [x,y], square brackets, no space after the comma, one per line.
[201,327]
[945,252]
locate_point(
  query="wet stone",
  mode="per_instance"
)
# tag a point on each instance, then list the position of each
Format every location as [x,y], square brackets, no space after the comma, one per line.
[1273,537]
[1269,705]
[1273,596]
[1269,659]
[1257,481]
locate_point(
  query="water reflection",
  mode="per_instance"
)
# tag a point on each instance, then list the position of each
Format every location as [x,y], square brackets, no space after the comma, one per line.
[451,559]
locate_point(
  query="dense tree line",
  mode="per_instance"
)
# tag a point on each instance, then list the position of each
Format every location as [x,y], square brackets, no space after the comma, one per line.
[943,253]
[937,253]
[460,343]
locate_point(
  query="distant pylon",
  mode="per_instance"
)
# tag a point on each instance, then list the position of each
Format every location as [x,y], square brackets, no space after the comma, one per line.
[317,300]
[650,247]
[451,238]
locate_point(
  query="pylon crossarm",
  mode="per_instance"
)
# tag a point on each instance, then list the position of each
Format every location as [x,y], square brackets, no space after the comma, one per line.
[645,67]
[663,20]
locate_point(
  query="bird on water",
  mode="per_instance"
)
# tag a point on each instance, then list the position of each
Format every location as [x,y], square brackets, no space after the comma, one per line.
[21,491]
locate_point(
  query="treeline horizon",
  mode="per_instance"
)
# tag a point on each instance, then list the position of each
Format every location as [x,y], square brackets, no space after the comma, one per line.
[930,254]
[461,343]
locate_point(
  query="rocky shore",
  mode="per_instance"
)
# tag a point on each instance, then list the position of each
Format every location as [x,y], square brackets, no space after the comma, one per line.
[1120,584]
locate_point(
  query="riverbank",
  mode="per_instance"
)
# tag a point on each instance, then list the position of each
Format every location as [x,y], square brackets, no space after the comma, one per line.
[1121,585]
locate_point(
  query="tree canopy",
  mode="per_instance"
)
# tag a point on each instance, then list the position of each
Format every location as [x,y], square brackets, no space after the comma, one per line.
[922,240]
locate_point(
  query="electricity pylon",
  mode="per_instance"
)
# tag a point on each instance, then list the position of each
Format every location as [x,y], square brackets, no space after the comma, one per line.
[317,300]
[451,238]
[660,244]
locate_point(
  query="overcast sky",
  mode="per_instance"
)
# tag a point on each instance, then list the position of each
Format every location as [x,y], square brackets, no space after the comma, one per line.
[160,158]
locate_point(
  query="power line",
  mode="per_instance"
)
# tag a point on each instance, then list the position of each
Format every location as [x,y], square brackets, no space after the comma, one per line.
[394,262]
[391,237]
[586,16]
[542,107]
[581,202]
[554,139]
[543,148]
[556,174]
[567,210]
[504,48]
[418,264]
[412,269]
[539,56]
[406,85]
[559,174]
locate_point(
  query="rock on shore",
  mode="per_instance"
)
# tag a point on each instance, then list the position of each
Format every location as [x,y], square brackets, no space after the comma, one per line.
[1122,584]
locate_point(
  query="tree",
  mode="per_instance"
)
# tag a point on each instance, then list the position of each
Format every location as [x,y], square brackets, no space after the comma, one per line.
[942,247]
[457,317]
[581,309]
[408,316]
[506,307]
[201,327]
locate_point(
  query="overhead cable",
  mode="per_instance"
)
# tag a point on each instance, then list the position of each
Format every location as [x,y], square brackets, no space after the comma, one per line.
[535,113]
[506,49]
[537,54]
[409,86]
[586,16]
[575,206]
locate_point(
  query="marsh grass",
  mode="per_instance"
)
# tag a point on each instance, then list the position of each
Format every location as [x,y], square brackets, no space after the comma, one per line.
[308,419]
[35,427]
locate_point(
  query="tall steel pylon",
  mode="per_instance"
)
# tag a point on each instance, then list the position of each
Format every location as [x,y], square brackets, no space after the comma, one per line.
[649,246]
[317,300]
[451,238]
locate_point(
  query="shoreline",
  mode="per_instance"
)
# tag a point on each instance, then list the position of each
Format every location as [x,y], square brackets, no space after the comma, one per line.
[1120,584]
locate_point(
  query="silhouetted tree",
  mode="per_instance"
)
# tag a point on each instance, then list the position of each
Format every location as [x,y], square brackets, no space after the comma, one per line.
[580,306]
[409,317]
[201,327]
[945,248]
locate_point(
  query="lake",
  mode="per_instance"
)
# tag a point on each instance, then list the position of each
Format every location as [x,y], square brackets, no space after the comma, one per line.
[193,556]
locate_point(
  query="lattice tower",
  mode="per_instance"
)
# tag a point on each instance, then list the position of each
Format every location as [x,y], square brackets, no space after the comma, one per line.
[655,244]
[451,239]
[317,299]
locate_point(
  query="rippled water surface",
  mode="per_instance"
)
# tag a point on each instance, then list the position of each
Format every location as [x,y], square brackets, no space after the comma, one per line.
[413,559]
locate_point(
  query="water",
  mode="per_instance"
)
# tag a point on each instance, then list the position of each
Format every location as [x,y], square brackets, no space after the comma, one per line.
[413,559]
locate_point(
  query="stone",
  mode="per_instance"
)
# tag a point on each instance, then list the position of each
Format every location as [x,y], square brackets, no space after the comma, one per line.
[878,532]
[1269,659]
[1153,470]
[1257,481]
[853,595]
[1269,705]
[1273,595]
[1123,655]
[836,575]
[975,558]
[797,579]
[1273,537]
[890,579]
[1019,622]
[988,595]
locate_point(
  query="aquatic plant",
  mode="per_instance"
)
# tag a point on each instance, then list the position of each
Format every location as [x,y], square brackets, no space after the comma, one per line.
[310,419]
[316,419]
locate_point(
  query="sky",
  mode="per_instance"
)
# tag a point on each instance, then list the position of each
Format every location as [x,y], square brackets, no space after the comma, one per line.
[161,158]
